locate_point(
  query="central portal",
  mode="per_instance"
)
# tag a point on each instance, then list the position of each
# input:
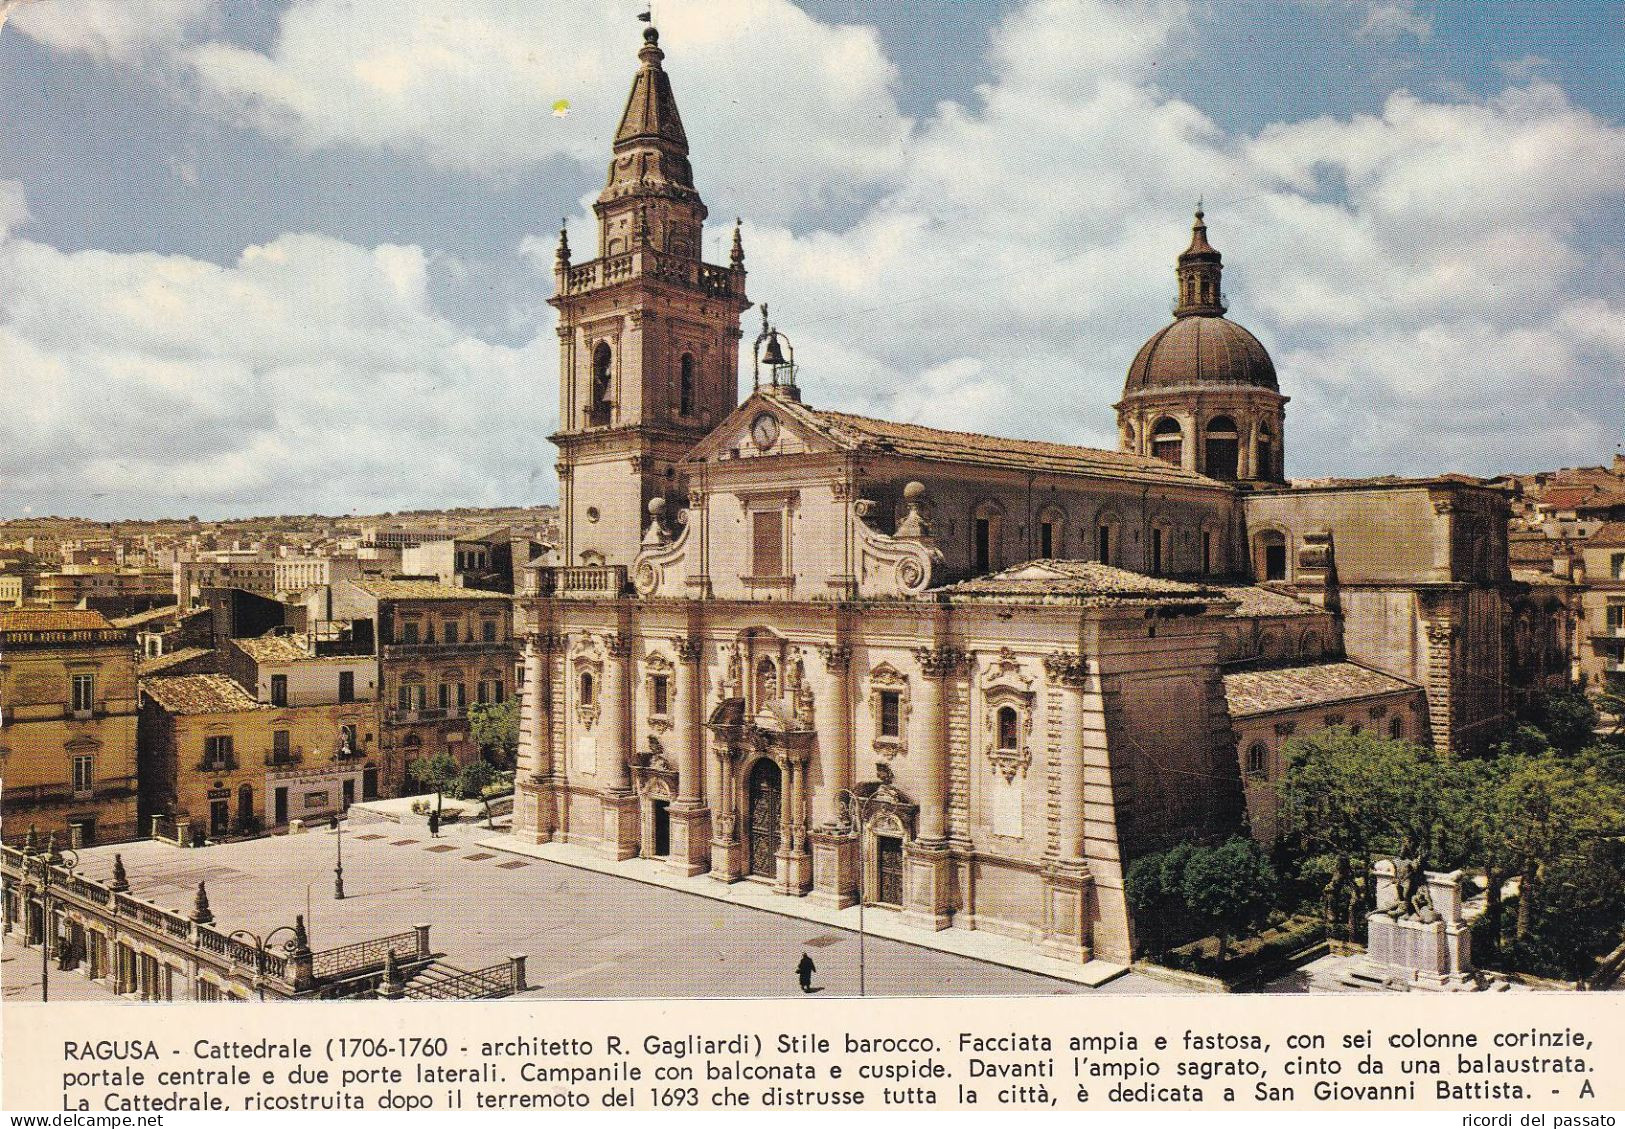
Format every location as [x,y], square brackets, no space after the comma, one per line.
[764,795]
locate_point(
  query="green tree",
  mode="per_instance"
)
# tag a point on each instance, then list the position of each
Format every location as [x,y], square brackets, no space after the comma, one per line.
[1569,720]
[436,772]
[494,727]
[1231,886]
[1352,795]
[476,777]
[1153,889]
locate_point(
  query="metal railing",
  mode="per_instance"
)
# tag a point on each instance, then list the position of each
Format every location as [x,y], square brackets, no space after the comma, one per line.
[481,984]
[346,959]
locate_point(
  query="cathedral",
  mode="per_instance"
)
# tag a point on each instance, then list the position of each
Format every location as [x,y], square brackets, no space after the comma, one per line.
[961,677]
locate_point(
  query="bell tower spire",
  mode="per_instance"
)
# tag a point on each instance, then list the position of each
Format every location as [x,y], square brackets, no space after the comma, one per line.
[648,331]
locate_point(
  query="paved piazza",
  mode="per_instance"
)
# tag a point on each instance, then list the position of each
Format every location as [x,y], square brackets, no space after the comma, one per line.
[585,934]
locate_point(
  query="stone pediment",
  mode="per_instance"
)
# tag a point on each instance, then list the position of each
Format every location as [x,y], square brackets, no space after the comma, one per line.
[765,425]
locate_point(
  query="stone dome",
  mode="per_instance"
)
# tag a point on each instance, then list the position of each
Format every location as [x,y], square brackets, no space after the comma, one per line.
[1201,349]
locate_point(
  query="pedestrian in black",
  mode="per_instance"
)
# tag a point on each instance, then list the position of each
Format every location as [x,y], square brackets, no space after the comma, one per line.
[434,825]
[804,972]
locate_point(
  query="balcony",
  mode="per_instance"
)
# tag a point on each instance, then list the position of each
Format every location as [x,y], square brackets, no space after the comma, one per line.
[582,582]
[438,713]
[289,759]
[217,764]
[468,648]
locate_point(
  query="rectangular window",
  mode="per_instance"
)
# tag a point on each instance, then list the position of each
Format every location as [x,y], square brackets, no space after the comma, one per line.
[403,697]
[409,634]
[1103,545]
[445,695]
[1207,550]
[891,713]
[519,674]
[1046,540]
[482,692]
[448,631]
[217,751]
[767,543]
[1156,552]
[346,685]
[84,773]
[1616,618]
[660,695]
[488,631]
[462,695]
[500,693]
[279,689]
[1616,565]
[84,693]
[281,749]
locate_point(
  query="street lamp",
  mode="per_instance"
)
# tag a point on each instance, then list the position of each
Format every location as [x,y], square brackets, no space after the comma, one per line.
[69,860]
[852,807]
[338,868]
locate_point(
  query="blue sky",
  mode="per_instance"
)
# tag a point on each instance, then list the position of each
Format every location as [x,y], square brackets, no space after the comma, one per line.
[293,255]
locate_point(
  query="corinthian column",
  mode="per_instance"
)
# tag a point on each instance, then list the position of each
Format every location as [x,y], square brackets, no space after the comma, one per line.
[620,804]
[690,818]
[833,722]
[936,663]
[1068,883]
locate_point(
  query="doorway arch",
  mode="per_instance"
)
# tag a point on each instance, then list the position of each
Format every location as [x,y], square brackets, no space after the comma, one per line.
[764,804]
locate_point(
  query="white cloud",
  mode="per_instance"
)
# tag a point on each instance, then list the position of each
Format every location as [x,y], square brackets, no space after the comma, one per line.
[117,30]
[1389,20]
[310,373]
[809,119]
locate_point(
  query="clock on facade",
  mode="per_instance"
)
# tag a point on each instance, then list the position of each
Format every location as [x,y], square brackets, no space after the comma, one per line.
[764,429]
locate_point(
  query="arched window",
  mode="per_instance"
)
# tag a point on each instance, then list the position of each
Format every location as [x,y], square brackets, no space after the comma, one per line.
[598,409]
[685,386]
[1051,533]
[1223,448]
[986,530]
[585,689]
[1168,441]
[1009,728]
[1269,556]
[1396,729]
[1258,755]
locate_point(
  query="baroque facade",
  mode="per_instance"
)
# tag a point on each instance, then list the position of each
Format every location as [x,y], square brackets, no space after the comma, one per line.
[965,677]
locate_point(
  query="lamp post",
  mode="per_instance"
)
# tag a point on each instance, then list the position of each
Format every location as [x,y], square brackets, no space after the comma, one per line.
[51,857]
[852,810]
[338,868]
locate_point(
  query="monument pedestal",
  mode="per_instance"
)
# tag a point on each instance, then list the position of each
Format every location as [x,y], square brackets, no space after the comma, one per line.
[1419,939]
[835,868]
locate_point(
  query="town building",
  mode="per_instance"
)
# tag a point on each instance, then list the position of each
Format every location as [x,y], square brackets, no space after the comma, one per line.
[67,726]
[284,735]
[962,677]
[440,651]
[1602,646]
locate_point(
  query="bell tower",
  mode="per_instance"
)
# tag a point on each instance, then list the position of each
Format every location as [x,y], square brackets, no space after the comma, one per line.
[648,332]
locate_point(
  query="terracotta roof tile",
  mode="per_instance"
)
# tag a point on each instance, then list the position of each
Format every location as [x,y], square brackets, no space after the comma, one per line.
[424,590]
[199,693]
[1253,692]
[1252,601]
[47,619]
[161,663]
[917,441]
[1607,535]
[1087,582]
[274,649]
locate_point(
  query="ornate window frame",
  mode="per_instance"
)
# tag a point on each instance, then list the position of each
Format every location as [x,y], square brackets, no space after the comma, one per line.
[1004,686]
[588,659]
[882,678]
[657,665]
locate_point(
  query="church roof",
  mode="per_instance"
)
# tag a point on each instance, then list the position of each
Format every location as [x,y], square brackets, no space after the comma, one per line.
[1201,350]
[916,441]
[1075,582]
[423,590]
[1253,601]
[1253,692]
